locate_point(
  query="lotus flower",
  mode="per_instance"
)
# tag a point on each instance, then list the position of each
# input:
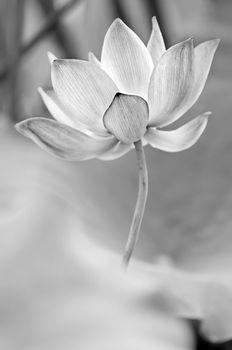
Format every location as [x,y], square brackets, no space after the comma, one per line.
[102,108]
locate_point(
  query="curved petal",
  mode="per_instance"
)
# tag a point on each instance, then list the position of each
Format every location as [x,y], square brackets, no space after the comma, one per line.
[203,57]
[53,105]
[127,60]
[56,109]
[155,44]
[62,141]
[85,90]
[170,84]
[116,152]
[93,59]
[179,139]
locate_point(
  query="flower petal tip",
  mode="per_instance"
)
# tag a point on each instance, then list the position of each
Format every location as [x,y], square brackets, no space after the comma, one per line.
[190,41]
[205,117]
[217,40]
[21,127]
[17,127]
[207,114]
[40,90]
[93,59]
[154,21]
[187,43]
[90,56]
[118,20]
[51,57]
[215,43]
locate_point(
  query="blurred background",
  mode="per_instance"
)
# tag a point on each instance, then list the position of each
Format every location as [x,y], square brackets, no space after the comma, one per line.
[45,203]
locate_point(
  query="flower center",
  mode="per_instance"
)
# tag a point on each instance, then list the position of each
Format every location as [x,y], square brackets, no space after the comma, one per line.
[127,117]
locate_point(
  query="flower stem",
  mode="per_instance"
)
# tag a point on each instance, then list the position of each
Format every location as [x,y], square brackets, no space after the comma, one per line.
[140,204]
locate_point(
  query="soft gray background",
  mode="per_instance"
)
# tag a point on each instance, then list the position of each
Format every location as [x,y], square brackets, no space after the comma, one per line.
[44,202]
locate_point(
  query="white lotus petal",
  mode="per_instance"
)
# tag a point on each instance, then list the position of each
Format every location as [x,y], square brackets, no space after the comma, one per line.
[93,59]
[203,57]
[127,60]
[51,57]
[85,90]
[179,139]
[117,151]
[56,109]
[156,45]
[53,105]
[62,141]
[170,84]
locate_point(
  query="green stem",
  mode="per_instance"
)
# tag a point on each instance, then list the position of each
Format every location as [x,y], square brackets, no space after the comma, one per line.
[140,204]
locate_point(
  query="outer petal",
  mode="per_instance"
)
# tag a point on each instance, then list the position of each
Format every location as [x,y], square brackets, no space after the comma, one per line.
[62,141]
[170,84]
[54,106]
[116,152]
[127,60]
[179,139]
[156,45]
[203,57]
[57,110]
[85,90]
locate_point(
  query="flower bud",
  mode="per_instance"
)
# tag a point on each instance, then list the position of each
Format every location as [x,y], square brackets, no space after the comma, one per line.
[127,117]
